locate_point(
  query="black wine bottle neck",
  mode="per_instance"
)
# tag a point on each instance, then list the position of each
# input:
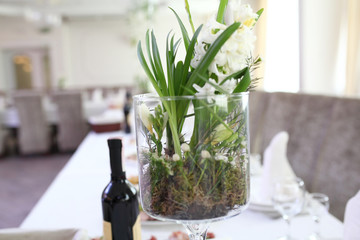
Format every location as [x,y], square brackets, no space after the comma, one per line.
[115,149]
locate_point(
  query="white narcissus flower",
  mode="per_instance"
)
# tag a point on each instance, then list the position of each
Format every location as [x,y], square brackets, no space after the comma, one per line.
[229,85]
[234,54]
[245,15]
[185,147]
[176,157]
[206,90]
[199,54]
[205,154]
[145,117]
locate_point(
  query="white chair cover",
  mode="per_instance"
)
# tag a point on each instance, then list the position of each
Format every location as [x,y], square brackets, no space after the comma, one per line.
[352,218]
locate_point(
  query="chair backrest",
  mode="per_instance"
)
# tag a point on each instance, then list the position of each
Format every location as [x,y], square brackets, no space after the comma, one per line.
[2,134]
[72,127]
[34,133]
[338,163]
[324,139]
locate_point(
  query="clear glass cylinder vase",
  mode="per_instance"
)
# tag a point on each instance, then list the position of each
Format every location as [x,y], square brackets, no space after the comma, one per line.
[193,155]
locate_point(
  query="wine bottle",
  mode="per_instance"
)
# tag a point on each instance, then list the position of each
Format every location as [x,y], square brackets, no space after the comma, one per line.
[119,201]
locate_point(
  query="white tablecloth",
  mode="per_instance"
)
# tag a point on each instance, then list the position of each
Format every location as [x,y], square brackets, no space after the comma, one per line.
[73,200]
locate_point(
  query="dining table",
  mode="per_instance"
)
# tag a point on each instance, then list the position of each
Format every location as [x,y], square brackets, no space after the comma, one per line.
[73,200]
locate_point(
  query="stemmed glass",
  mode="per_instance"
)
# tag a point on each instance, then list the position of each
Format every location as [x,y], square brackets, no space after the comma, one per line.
[208,178]
[288,199]
[317,205]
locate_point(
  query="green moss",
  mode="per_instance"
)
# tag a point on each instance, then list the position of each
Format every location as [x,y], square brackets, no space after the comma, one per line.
[195,191]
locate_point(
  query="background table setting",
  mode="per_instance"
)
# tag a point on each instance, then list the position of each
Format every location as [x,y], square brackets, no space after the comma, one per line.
[73,201]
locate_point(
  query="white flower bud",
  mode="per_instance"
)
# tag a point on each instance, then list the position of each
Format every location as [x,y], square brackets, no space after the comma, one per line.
[185,147]
[176,157]
[144,113]
[205,154]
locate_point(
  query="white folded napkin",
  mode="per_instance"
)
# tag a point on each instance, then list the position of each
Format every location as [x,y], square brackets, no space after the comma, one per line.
[24,234]
[352,218]
[97,95]
[275,165]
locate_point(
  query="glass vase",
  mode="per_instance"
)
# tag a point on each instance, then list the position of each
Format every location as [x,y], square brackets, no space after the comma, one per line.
[193,155]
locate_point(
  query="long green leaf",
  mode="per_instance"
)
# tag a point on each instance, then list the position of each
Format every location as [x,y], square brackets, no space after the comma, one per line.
[183,30]
[221,11]
[236,75]
[178,77]
[189,56]
[148,49]
[169,64]
[244,83]
[210,54]
[157,62]
[187,7]
[147,70]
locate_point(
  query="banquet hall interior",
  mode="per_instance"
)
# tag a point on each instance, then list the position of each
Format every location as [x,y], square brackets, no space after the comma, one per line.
[69,69]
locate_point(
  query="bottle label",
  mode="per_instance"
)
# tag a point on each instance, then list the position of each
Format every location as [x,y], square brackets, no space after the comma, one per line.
[107,230]
[137,229]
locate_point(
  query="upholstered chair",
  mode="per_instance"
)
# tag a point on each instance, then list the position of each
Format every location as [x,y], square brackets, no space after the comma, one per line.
[2,138]
[324,136]
[72,126]
[34,135]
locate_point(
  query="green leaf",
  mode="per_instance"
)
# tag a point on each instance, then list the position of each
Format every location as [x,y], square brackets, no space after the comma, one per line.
[147,70]
[259,13]
[210,55]
[189,56]
[183,30]
[187,7]
[148,48]
[169,64]
[159,69]
[221,11]
[244,83]
[178,76]
[236,75]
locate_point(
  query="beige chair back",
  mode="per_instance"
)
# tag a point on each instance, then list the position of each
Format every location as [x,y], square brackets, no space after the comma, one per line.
[72,126]
[34,131]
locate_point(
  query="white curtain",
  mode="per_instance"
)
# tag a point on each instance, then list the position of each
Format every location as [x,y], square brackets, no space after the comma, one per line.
[352,87]
[323,30]
[327,48]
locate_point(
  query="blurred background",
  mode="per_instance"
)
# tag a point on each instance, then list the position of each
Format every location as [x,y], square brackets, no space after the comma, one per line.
[307,46]
[68,64]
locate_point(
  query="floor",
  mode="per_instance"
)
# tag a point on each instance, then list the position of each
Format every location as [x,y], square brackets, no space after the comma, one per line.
[23,180]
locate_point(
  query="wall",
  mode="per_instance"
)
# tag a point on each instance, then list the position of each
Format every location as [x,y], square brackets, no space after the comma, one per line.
[98,51]
[91,51]
[16,34]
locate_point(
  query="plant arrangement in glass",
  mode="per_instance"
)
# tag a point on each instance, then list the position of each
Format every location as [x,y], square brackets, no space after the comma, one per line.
[192,137]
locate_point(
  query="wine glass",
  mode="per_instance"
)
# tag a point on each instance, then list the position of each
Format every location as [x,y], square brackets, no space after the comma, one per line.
[317,205]
[288,199]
